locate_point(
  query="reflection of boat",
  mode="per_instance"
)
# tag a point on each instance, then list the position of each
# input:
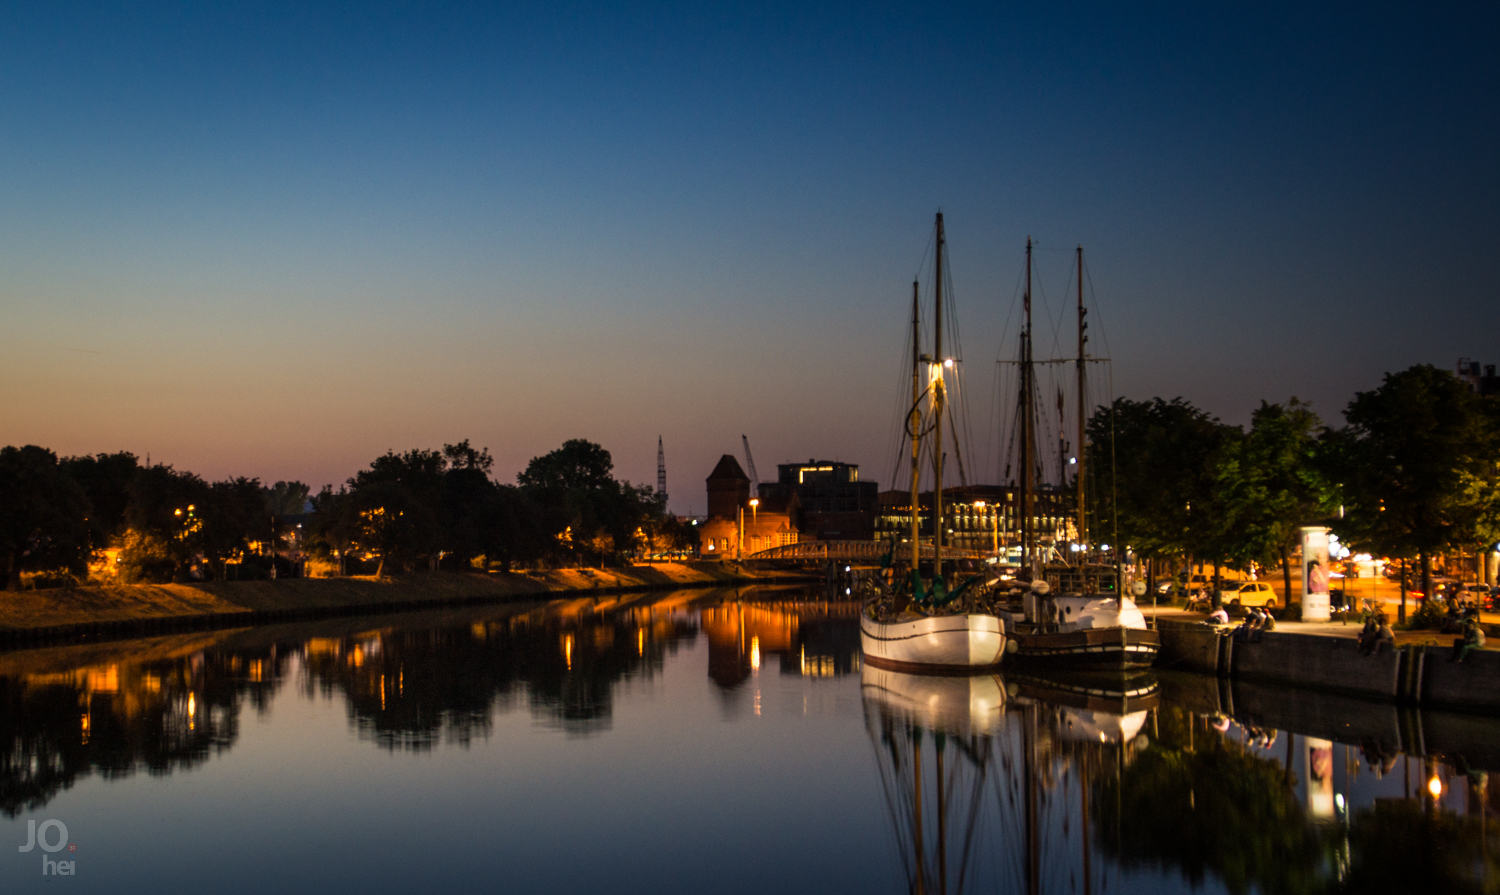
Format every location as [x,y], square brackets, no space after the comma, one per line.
[909,624]
[1072,615]
[937,702]
[1095,706]
[934,740]
[988,782]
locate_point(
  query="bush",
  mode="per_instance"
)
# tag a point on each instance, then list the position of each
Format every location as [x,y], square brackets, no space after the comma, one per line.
[1429,616]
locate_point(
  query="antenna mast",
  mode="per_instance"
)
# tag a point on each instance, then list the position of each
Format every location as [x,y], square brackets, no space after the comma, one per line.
[661,473]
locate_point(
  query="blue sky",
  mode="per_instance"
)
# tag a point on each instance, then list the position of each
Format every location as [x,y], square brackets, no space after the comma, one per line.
[279,240]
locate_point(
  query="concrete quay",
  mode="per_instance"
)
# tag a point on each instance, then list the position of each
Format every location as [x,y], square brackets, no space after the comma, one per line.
[1311,656]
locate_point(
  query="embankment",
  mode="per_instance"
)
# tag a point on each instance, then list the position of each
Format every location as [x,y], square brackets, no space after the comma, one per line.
[1411,674]
[82,613]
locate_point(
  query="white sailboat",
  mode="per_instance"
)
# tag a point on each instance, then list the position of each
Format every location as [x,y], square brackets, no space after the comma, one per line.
[906,623]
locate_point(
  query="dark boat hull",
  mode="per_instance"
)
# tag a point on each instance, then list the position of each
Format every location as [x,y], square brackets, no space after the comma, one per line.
[1099,648]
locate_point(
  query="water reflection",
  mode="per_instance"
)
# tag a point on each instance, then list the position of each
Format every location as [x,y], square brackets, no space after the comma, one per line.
[994,782]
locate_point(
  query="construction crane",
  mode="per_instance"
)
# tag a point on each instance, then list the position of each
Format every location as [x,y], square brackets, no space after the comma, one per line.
[750,462]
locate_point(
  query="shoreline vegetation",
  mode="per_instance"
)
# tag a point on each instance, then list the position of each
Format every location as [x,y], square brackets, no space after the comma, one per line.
[75,614]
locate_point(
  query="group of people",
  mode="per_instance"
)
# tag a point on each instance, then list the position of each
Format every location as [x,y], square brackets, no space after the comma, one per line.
[1257,621]
[1377,630]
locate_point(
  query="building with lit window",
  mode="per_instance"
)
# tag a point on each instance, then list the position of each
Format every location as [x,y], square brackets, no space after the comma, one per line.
[977,517]
[833,504]
[739,525]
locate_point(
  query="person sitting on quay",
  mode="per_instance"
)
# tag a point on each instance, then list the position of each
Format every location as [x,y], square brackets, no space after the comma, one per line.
[1377,631]
[1218,617]
[1264,622]
[1247,628]
[1473,639]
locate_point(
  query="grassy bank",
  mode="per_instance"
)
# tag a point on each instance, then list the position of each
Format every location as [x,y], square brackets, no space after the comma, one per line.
[116,610]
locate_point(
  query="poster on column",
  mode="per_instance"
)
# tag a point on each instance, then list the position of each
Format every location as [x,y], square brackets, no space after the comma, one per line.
[1315,573]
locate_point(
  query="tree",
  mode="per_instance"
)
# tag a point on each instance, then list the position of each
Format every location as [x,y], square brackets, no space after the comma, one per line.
[1161,480]
[574,486]
[1412,461]
[106,479]
[234,513]
[1270,484]
[165,528]
[43,515]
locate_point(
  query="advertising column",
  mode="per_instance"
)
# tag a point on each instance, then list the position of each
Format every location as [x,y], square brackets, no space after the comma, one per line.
[1315,573]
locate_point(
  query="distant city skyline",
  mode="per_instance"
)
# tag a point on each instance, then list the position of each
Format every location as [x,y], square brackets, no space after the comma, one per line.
[278,240]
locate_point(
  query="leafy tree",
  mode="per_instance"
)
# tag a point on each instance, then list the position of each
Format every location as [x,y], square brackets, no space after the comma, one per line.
[1414,462]
[1163,479]
[43,515]
[106,479]
[234,513]
[577,492]
[287,498]
[1270,484]
[166,530]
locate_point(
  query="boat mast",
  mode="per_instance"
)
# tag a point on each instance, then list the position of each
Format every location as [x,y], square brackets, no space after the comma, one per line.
[1026,427]
[914,429]
[1083,530]
[939,399]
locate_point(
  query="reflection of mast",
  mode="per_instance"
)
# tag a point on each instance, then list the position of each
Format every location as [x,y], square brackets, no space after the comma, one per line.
[1028,759]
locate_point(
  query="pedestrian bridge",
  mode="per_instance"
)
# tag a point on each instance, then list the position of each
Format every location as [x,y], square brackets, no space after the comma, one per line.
[863,552]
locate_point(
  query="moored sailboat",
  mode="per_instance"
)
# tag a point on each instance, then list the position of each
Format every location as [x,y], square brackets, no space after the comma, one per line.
[1069,615]
[908,623]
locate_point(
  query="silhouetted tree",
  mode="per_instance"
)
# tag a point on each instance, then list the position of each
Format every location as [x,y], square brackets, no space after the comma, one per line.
[1417,465]
[106,479]
[1270,484]
[43,515]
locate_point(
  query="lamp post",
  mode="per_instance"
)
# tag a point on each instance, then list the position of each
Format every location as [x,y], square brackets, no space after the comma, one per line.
[994,528]
[754,504]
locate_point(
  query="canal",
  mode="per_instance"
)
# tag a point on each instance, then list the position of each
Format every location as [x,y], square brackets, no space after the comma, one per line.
[702,741]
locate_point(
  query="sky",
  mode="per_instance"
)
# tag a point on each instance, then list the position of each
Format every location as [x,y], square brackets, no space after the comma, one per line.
[280,240]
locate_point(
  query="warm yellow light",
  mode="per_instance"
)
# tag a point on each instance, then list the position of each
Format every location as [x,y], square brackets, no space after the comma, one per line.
[755,653]
[192,704]
[755,501]
[568,650]
[177,512]
[1435,786]
[978,504]
[640,641]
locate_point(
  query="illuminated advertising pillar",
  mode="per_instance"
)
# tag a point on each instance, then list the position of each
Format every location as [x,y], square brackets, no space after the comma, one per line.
[1319,778]
[1315,573]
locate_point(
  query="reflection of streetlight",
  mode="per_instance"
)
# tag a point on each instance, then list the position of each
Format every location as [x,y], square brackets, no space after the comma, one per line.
[1435,786]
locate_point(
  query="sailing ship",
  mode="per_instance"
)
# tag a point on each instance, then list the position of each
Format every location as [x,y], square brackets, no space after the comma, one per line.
[1069,615]
[909,623]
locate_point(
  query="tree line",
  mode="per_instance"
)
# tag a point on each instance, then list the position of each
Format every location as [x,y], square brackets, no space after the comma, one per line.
[422,509]
[1412,474]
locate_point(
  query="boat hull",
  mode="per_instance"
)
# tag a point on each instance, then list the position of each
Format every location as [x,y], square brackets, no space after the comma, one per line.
[944,643]
[1091,648]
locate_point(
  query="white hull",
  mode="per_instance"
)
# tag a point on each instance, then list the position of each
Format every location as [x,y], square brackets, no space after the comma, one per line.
[952,642]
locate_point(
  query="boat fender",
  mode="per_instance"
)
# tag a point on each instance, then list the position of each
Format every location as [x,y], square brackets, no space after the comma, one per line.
[1012,647]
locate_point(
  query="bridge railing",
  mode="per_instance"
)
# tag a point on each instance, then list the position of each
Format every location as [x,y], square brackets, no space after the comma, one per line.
[846,551]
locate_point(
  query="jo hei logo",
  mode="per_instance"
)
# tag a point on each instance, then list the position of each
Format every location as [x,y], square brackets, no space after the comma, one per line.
[38,835]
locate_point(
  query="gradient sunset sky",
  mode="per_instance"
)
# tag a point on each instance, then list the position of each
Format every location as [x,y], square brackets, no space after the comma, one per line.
[278,240]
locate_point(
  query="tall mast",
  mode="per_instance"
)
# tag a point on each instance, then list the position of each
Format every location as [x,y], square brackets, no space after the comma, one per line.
[1027,423]
[1083,525]
[939,399]
[914,429]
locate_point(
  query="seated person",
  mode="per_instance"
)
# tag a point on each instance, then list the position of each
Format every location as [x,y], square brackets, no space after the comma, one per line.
[1473,639]
[1267,620]
[1370,640]
[1218,617]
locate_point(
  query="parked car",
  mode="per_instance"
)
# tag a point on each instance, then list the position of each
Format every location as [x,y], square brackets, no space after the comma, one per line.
[1251,593]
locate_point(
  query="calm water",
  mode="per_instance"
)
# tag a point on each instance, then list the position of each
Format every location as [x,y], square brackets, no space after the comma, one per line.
[723,741]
